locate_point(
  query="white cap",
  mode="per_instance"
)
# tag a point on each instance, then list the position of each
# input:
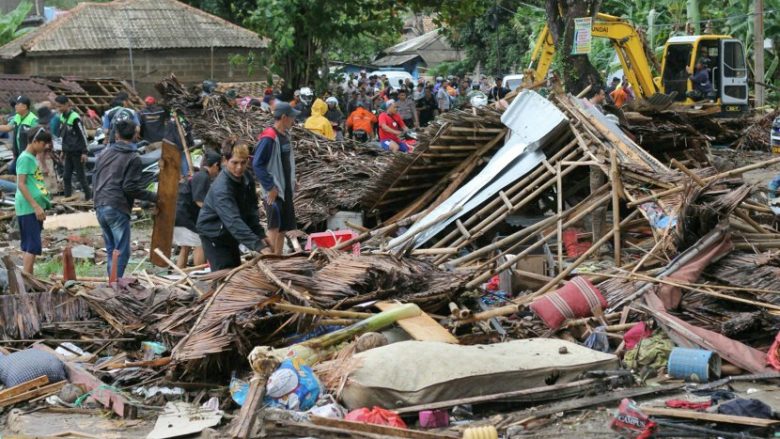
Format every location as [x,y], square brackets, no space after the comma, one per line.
[332,100]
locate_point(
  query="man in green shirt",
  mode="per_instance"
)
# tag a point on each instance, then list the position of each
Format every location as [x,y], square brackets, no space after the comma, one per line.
[20,124]
[32,197]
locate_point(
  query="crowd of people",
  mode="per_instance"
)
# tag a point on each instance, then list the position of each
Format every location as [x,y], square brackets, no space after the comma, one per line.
[217,211]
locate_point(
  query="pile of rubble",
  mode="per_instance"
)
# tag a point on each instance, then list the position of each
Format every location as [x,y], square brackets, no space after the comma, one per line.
[530,263]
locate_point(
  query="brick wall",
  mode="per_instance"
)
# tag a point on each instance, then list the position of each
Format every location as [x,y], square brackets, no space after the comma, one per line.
[189,65]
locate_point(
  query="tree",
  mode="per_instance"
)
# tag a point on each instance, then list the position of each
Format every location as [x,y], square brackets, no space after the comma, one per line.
[10,24]
[304,34]
[576,70]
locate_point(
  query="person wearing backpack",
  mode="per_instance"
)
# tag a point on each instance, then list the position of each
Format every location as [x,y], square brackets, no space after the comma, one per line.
[74,146]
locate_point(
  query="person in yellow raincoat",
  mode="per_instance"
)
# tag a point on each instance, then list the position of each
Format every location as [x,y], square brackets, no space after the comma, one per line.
[317,122]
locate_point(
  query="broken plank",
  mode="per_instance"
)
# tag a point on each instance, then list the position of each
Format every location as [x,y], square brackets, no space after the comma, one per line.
[167,192]
[34,393]
[377,429]
[422,327]
[709,417]
[23,387]
[71,221]
[248,413]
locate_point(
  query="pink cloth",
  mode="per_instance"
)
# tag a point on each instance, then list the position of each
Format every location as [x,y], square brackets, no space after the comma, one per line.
[634,335]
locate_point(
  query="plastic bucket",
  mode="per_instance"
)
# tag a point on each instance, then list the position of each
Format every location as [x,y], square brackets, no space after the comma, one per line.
[695,365]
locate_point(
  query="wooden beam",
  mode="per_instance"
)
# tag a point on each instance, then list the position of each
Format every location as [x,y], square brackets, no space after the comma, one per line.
[167,193]
[34,393]
[390,432]
[23,387]
[708,417]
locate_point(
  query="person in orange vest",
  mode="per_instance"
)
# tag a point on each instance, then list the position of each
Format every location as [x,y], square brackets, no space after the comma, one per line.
[360,123]
[619,96]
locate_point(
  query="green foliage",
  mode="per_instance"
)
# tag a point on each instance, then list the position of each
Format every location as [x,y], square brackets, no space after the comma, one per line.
[10,24]
[53,265]
[455,68]
[306,33]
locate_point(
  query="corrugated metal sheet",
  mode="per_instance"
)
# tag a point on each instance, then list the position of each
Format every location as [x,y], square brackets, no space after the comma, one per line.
[142,24]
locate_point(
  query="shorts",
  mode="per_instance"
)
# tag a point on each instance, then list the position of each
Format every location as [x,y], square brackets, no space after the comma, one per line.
[185,237]
[30,230]
[280,215]
[385,144]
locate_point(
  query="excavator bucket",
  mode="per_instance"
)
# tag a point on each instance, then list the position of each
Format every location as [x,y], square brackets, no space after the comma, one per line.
[657,102]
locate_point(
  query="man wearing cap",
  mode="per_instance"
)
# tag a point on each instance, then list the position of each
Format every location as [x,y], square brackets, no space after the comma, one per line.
[20,124]
[274,166]
[118,184]
[74,146]
[192,193]
[153,118]
[391,127]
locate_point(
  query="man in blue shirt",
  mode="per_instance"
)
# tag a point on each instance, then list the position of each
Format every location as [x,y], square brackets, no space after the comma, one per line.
[702,86]
[274,166]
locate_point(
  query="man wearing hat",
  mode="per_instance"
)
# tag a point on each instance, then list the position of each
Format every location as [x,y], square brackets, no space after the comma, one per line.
[274,166]
[20,124]
[118,184]
[192,193]
[153,118]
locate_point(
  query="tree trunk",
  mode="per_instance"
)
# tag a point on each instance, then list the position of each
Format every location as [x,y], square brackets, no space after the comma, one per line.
[692,11]
[576,70]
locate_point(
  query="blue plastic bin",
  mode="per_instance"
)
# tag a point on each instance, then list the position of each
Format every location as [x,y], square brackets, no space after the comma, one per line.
[695,365]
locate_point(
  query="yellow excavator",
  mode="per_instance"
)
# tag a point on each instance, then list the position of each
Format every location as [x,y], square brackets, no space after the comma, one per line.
[722,54]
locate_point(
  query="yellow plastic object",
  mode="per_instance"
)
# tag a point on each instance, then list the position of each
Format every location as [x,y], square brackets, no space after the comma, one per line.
[485,432]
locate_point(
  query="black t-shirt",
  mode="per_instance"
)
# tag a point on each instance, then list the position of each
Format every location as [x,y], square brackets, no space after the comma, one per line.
[497,93]
[426,105]
[191,191]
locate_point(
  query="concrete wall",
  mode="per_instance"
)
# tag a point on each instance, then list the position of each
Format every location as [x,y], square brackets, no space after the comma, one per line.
[189,65]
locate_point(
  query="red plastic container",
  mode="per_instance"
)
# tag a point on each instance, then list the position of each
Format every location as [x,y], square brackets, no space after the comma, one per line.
[329,239]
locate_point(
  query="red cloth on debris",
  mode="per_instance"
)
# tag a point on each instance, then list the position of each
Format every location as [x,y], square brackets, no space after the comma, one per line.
[578,298]
[690,405]
[574,248]
[690,272]
[377,416]
[773,356]
[634,335]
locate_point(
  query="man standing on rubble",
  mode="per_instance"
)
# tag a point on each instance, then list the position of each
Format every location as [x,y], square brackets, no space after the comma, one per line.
[229,216]
[274,166]
[74,146]
[153,118]
[118,184]
[442,97]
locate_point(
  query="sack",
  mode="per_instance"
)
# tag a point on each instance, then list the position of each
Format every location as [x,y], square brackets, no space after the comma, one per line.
[382,376]
[578,298]
[377,416]
[23,366]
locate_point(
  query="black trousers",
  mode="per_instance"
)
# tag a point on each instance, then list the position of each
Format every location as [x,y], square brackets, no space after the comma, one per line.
[73,163]
[221,253]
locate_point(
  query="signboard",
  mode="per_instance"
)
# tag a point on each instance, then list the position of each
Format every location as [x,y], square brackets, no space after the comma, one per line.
[582,36]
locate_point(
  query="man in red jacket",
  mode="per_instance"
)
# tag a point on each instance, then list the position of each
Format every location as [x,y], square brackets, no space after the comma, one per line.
[391,128]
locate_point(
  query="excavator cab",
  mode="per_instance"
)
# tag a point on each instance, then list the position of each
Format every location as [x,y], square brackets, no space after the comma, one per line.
[721,55]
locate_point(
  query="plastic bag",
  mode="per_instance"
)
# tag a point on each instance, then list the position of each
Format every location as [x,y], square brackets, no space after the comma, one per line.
[293,386]
[376,415]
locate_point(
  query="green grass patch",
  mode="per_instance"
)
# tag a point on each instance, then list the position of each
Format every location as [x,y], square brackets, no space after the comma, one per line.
[51,266]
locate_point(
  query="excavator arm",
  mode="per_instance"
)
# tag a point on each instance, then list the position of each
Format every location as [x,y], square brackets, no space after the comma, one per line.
[630,49]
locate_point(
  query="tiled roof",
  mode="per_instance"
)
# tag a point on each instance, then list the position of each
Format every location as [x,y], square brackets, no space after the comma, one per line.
[144,24]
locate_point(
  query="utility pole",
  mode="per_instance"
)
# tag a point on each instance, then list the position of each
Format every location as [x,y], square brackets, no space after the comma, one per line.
[758,51]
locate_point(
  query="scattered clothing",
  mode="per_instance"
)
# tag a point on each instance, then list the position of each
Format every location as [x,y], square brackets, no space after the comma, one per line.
[746,407]
[689,405]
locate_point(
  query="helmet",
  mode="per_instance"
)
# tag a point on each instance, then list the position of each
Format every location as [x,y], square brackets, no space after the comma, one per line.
[440,78]
[306,95]
[477,99]
[123,123]
[332,100]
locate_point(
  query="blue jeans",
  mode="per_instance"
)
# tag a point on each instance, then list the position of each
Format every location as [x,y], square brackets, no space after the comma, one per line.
[116,234]
[8,187]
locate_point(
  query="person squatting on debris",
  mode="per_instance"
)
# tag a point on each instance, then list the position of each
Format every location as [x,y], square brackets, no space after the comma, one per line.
[274,166]
[391,127]
[317,122]
[21,124]
[360,123]
[74,146]
[117,183]
[32,197]
[229,215]
[192,193]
